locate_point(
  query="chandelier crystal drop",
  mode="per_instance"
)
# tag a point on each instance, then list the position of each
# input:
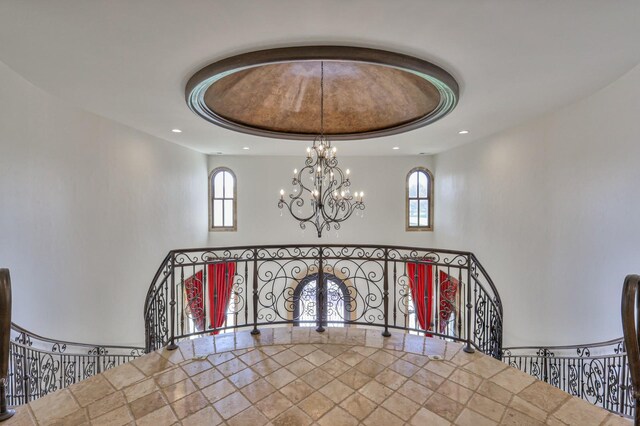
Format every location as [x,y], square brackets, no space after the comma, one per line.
[321,190]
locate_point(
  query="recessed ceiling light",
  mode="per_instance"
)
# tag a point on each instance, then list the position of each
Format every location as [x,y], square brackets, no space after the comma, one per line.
[396,147]
[463,132]
[176,130]
[246,148]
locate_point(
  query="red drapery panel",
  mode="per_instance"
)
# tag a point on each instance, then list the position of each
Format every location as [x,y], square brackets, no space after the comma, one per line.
[448,291]
[220,285]
[421,278]
[195,299]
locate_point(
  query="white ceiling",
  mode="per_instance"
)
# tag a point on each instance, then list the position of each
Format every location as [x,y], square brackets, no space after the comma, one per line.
[129,60]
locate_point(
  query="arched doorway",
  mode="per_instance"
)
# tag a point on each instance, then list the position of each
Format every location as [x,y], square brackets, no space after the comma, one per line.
[336,306]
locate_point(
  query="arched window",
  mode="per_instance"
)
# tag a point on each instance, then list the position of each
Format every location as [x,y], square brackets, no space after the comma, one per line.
[222,200]
[337,302]
[419,200]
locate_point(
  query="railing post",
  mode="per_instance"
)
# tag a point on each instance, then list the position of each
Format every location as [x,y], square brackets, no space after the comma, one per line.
[468,348]
[5,333]
[172,342]
[631,328]
[386,333]
[320,292]
[255,330]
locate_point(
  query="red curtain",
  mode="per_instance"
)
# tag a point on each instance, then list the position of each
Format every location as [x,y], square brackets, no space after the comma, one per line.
[448,291]
[195,299]
[420,276]
[220,285]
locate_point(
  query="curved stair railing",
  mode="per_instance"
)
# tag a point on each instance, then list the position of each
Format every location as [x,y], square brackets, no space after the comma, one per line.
[460,300]
[631,329]
[604,374]
[597,372]
[39,365]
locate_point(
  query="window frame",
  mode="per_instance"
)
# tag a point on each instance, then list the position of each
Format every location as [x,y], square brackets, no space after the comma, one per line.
[429,199]
[234,226]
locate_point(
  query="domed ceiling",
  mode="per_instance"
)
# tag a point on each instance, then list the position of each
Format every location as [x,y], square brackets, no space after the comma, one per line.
[130,61]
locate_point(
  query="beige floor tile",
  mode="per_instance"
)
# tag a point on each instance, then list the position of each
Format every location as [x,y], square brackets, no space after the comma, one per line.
[303,350]
[231,367]
[382,417]
[257,390]
[152,363]
[189,405]
[231,405]
[516,418]
[123,375]
[118,417]
[382,357]
[293,417]
[455,391]
[495,392]
[528,408]
[358,406]
[335,368]
[140,389]
[218,390]
[179,390]
[207,378]
[471,418]
[266,367]
[106,404]
[318,357]
[336,391]
[196,366]
[466,379]
[297,390]
[487,407]
[90,390]
[513,380]
[280,378]
[444,407]
[160,417]
[415,391]
[221,358]
[249,417]
[205,417]
[404,367]
[286,357]
[543,396]
[441,368]
[350,357]
[273,405]
[244,377]
[369,367]
[147,404]
[354,379]
[391,379]
[317,378]
[425,417]
[54,406]
[337,416]
[376,392]
[428,379]
[485,366]
[401,406]
[578,412]
[253,357]
[300,367]
[316,405]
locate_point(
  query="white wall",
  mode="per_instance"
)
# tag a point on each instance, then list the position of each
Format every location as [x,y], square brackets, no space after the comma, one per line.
[260,221]
[88,210]
[552,209]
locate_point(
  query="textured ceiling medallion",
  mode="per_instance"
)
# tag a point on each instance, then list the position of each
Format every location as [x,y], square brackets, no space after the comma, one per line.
[367,92]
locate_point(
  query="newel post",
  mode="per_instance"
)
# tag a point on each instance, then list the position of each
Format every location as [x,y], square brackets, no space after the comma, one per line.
[5,332]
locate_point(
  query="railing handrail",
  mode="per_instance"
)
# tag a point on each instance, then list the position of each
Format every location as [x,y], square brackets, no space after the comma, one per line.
[611,342]
[630,305]
[30,334]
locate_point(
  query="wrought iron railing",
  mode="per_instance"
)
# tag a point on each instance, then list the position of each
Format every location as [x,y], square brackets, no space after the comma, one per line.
[39,365]
[597,373]
[631,328]
[352,285]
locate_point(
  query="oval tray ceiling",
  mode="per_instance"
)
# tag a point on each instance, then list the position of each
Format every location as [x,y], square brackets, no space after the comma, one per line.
[367,92]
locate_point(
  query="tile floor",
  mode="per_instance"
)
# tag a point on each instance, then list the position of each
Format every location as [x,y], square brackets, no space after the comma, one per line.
[295,376]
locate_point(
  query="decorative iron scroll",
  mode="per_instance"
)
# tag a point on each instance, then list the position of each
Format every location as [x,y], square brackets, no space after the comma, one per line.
[377,292]
[597,373]
[38,365]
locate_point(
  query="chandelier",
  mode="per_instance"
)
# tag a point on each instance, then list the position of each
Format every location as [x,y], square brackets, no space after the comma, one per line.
[321,184]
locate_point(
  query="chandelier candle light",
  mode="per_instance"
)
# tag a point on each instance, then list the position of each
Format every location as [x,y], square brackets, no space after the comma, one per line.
[327,192]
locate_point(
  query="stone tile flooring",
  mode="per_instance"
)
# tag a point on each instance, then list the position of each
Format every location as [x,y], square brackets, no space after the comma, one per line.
[295,376]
